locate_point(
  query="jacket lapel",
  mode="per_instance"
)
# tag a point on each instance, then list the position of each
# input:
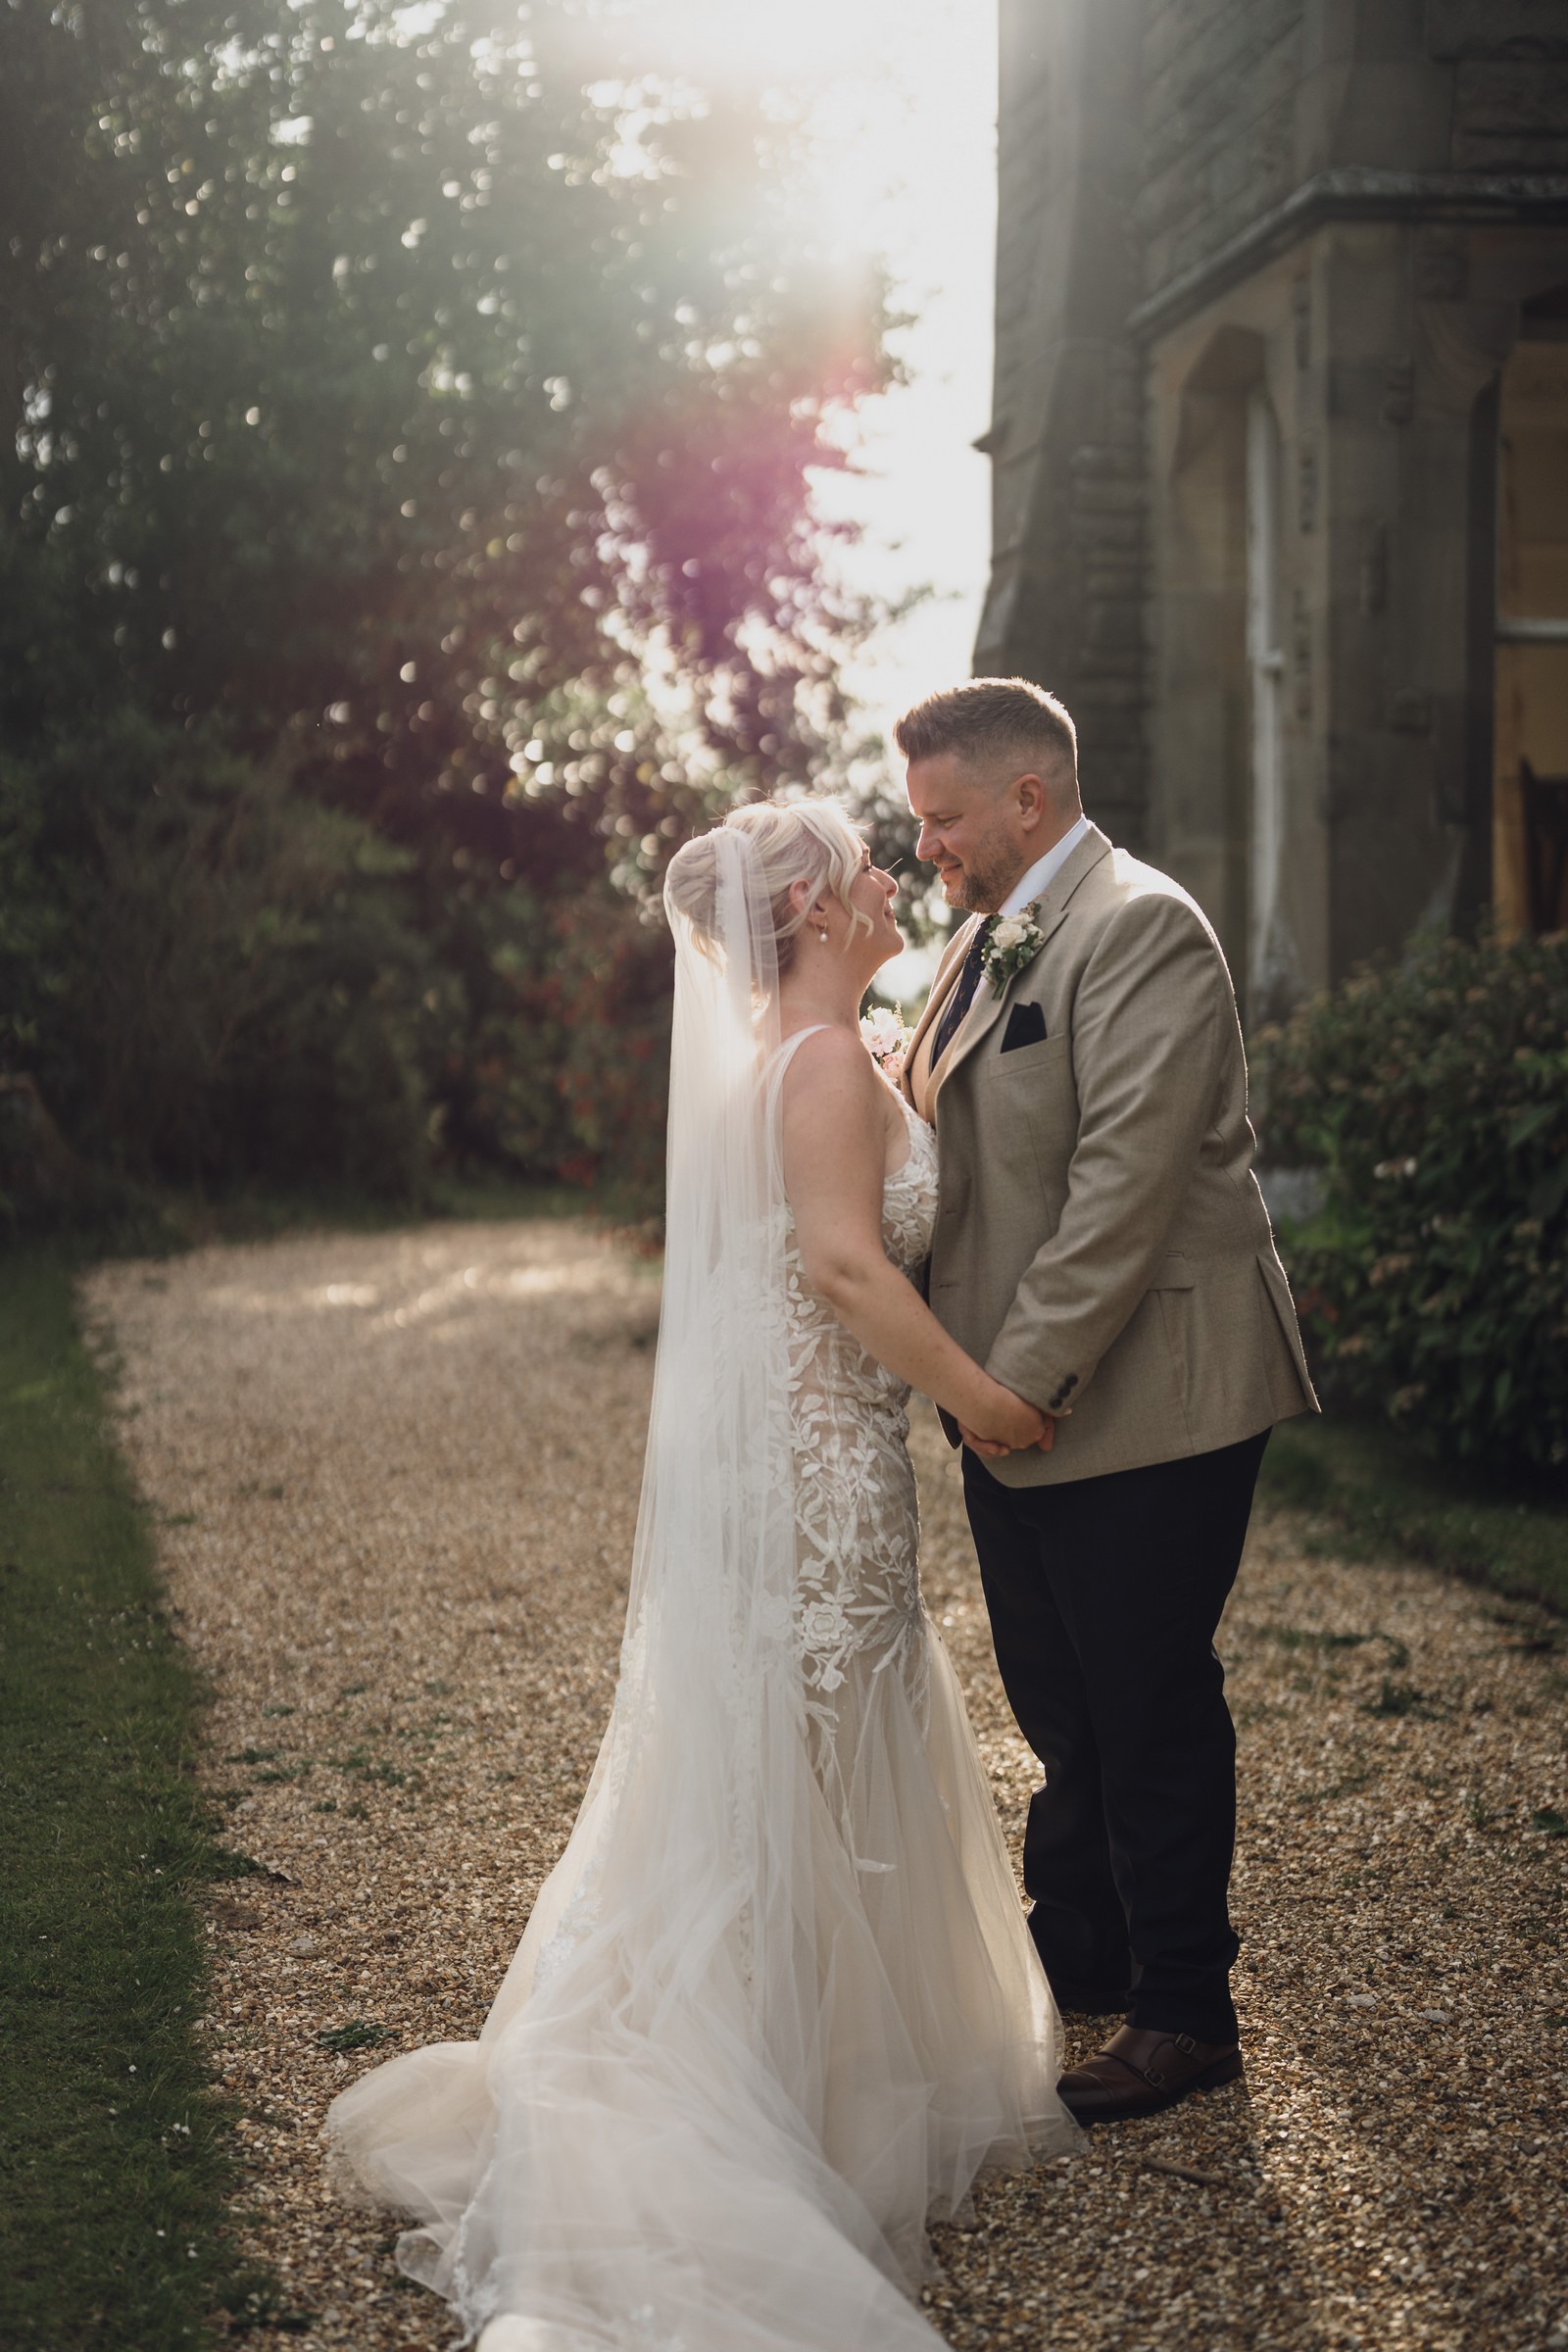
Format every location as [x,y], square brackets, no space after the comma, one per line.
[982,1014]
[942,986]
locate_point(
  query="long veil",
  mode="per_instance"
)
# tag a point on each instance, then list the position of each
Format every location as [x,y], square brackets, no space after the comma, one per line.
[690,2122]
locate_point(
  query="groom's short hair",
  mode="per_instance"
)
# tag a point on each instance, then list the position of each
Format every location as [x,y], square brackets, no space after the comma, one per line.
[990,720]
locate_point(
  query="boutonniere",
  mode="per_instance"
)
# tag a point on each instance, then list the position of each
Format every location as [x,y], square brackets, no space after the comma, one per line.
[1015,940]
[887,1039]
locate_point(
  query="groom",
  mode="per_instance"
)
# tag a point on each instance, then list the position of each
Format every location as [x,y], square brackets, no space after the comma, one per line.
[1103,1250]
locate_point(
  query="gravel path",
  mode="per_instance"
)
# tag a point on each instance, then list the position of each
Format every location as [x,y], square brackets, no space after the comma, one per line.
[396,1477]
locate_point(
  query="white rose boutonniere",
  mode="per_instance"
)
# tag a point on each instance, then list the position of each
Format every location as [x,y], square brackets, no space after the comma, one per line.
[1015,940]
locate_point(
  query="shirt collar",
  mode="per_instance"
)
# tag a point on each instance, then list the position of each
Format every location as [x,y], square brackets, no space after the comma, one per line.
[1038,881]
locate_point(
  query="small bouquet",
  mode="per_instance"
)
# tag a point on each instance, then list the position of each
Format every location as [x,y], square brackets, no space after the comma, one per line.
[887,1039]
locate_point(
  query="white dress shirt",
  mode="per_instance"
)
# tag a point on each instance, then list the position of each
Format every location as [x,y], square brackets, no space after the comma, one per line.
[1038,881]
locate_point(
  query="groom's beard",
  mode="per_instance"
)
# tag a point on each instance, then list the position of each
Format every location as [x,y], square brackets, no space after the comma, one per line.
[980,886]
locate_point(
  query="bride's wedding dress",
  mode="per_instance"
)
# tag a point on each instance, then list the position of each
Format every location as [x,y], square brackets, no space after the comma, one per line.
[776,2004]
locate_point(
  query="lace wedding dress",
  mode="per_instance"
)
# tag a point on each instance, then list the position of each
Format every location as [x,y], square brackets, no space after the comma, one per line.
[776,2006]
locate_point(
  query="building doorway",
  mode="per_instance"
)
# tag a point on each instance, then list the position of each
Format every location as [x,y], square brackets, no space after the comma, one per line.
[1270,967]
[1529,771]
[1222,658]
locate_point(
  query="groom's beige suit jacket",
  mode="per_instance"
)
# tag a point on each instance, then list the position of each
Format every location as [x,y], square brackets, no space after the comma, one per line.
[1101,1243]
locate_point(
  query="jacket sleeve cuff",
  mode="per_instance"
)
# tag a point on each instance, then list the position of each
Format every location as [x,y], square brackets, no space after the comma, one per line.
[1049,1388]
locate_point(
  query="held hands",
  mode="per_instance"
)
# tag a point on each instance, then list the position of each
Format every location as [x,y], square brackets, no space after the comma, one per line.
[1011,1426]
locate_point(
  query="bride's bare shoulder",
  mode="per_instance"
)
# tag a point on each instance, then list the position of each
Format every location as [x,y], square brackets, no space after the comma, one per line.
[830,1065]
[823,1042]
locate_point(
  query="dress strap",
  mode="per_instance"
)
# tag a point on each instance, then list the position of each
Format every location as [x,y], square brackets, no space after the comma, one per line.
[778,1061]
[773,1070]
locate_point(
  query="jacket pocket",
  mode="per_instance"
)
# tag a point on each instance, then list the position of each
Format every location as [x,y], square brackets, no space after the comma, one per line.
[1026,1061]
[1174,1273]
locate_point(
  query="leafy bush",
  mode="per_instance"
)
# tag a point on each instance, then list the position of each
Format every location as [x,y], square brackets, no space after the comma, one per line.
[1433,1283]
[558,1064]
[208,974]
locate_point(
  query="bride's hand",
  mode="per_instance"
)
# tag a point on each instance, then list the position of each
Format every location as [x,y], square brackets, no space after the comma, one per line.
[1011,1426]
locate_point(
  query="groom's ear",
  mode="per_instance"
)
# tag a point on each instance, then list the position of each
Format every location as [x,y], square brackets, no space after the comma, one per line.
[1032,798]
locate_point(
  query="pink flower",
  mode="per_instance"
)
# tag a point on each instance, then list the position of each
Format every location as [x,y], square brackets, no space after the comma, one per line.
[886,1038]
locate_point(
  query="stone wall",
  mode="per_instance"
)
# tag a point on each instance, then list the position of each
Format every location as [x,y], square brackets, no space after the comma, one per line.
[1066,599]
[1510,81]
[1334,209]
[1220,81]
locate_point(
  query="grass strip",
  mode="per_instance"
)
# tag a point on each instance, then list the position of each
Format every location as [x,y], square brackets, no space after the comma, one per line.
[1382,1496]
[114,2164]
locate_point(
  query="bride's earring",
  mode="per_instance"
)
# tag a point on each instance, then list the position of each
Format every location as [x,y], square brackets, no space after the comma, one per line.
[822,934]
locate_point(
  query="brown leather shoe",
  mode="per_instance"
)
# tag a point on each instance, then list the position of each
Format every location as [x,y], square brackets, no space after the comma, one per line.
[1143,2069]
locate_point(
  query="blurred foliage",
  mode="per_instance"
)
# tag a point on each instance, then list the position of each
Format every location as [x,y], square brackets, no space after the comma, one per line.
[1433,1284]
[218,973]
[406,537]
[571,1021]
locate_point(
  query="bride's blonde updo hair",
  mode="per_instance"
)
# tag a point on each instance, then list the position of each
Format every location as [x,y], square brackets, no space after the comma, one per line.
[795,841]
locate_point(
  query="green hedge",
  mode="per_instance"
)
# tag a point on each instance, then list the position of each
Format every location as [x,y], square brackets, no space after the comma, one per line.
[209,978]
[1432,1282]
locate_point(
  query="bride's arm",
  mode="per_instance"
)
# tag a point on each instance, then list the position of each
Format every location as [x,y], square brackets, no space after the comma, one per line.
[835,1145]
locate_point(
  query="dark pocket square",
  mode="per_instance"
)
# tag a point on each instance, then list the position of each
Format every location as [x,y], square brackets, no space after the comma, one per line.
[1026,1026]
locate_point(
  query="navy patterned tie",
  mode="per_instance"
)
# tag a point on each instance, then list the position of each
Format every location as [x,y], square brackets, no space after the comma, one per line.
[962,997]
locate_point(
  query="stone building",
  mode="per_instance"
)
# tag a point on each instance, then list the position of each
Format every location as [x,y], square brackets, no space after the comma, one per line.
[1280,451]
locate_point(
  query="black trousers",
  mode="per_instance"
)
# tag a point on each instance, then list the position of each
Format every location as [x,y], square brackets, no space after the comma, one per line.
[1105,1595]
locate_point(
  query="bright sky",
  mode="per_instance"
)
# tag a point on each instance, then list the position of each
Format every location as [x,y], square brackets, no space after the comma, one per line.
[908,134]
[905,113]
[920,178]
[907,120]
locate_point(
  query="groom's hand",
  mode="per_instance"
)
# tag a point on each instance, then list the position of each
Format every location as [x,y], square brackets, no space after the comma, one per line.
[1019,1428]
[990,1448]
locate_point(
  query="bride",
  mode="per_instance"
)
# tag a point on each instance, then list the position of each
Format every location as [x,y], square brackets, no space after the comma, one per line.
[776,2006]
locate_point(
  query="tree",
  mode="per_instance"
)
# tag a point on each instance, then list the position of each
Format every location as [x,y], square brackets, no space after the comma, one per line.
[395,416]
